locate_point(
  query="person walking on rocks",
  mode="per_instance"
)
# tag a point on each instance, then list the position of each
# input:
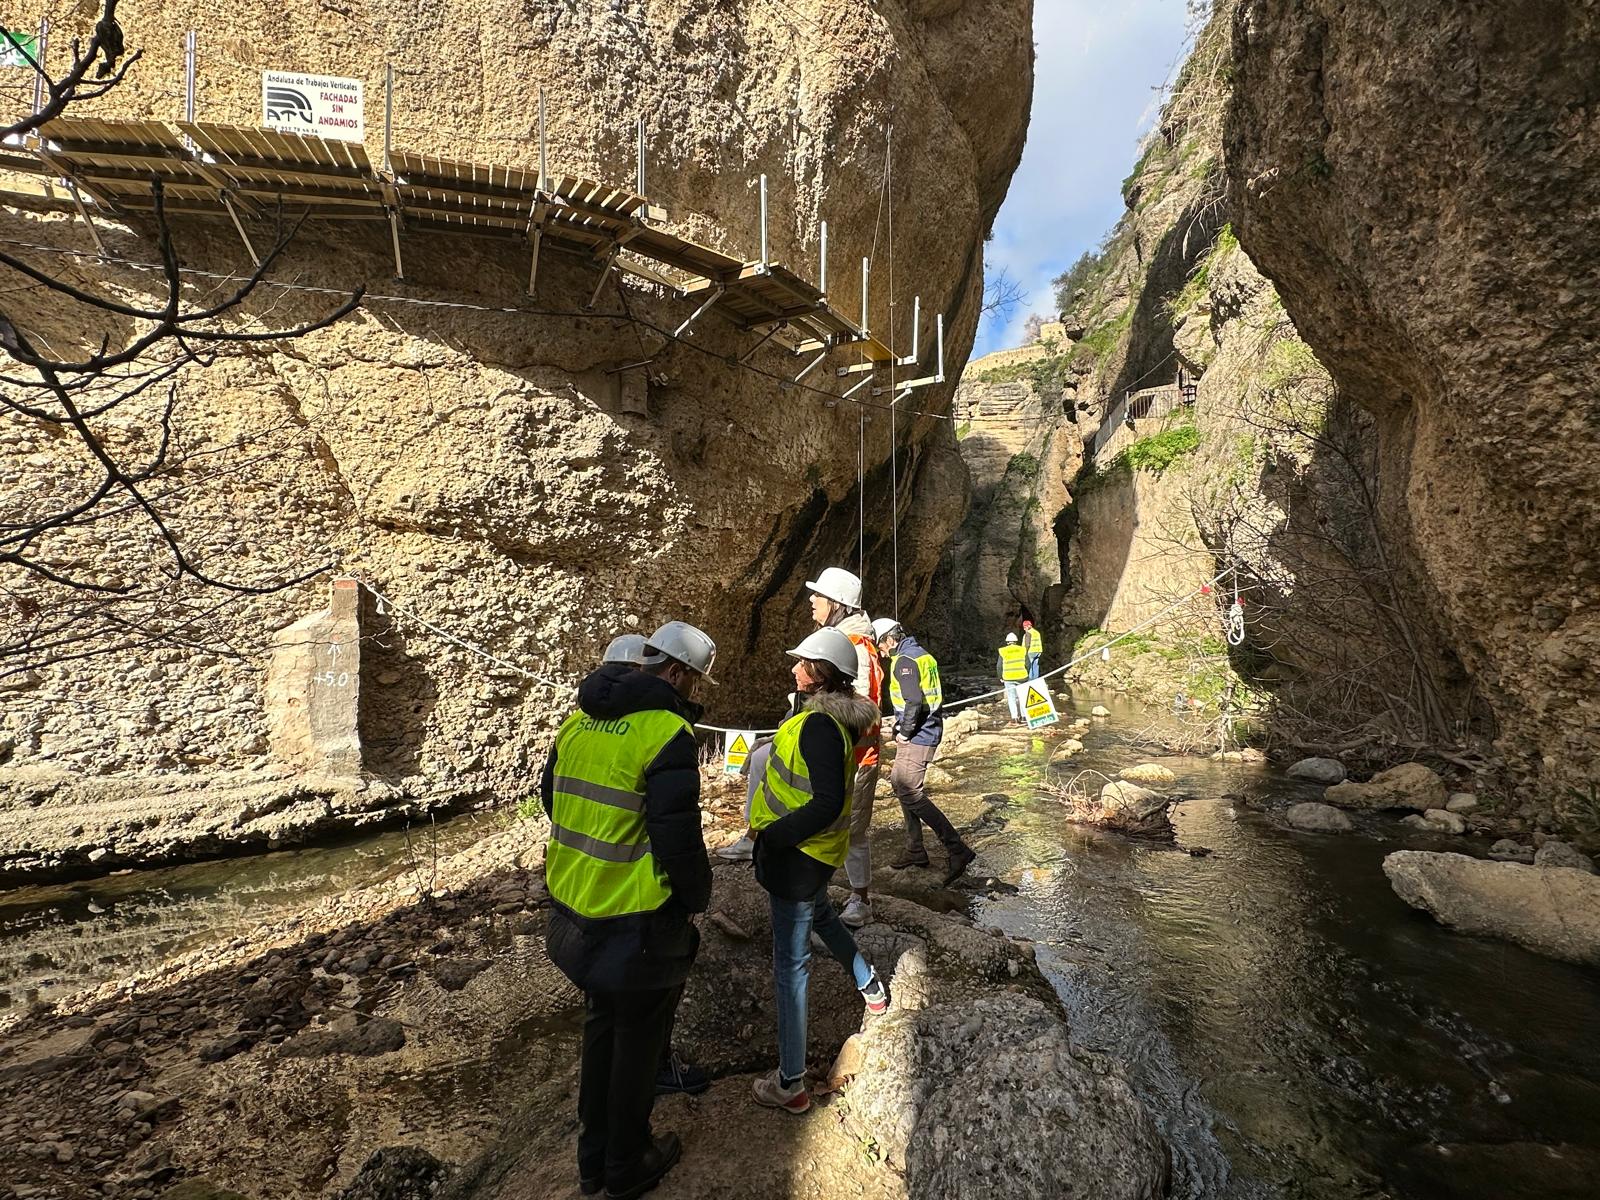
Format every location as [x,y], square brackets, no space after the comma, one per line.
[915,691]
[1010,664]
[1033,647]
[626,866]
[801,817]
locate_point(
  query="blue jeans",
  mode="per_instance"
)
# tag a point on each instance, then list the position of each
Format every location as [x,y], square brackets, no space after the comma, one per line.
[1033,665]
[1014,697]
[792,923]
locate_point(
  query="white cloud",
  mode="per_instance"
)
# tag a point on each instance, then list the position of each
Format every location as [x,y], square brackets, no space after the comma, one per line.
[1098,67]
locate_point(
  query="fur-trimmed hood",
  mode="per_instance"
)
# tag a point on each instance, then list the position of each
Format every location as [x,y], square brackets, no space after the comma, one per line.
[850,710]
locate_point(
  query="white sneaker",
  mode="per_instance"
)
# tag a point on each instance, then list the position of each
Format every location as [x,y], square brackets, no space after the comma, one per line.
[741,851]
[857,912]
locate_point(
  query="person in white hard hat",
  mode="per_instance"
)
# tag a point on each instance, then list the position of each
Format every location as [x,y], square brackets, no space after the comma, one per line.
[801,816]
[836,604]
[1011,664]
[626,867]
[626,649]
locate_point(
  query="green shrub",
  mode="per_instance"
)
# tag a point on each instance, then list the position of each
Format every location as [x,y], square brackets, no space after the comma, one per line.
[1160,450]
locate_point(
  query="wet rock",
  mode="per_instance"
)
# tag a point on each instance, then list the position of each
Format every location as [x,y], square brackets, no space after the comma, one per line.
[1147,773]
[1410,785]
[1436,820]
[1312,817]
[453,974]
[1558,854]
[379,1035]
[1099,710]
[1318,770]
[1510,850]
[1248,755]
[1461,802]
[991,1098]
[398,1173]
[1552,912]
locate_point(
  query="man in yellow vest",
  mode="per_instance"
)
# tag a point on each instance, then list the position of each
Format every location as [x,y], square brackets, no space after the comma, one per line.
[1012,667]
[1033,647]
[626,866]
[917,696]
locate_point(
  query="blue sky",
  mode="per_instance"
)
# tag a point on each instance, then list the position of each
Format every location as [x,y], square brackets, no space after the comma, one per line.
[1098,67]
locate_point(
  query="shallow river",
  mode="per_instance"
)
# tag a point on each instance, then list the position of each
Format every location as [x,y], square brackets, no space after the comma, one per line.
[1297,1030]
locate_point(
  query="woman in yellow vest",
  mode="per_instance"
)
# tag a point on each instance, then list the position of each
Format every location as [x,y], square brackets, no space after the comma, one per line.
[801,817]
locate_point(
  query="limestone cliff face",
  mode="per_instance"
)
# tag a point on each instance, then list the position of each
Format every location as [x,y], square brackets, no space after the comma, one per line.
[481,466]
[1418,180]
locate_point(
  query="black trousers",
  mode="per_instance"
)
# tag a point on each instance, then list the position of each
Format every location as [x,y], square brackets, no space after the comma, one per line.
[625,1035]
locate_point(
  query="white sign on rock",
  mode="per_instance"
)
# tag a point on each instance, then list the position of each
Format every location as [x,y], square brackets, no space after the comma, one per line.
[318,105]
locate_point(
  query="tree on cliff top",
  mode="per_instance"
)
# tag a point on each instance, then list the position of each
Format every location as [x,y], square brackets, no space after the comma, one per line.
[108,406]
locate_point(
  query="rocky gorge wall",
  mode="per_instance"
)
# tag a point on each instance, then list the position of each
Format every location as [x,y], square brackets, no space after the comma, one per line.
[479,464]
[1415,179]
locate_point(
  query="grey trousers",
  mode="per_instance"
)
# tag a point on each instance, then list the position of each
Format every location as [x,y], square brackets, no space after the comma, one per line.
[907,778]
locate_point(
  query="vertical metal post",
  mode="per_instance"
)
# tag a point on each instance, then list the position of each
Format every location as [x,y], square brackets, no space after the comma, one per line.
[39,49]
[533,267]
[822,264]
[388,116]
[866,278]
[916,325]
[939,328]
[544,174]
[763,220]
[640,187]
[190,55]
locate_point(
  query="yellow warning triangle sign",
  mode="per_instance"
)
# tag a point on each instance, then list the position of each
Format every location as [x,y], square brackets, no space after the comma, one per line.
[740,746]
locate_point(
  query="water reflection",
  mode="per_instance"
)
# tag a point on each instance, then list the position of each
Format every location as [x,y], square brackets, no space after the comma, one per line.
[57,939]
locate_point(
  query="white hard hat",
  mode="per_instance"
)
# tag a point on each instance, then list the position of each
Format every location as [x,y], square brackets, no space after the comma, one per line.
[830,646]
[629,648]
[837,584]
[683,642]
[884,626]
[1011,637]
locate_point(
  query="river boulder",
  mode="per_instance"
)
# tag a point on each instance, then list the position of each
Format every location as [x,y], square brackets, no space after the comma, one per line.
[1311,817]
[991,1098]
[1554,911]
[1410,785]
[1511,850]
[1437,820]
[1318,770]
[1128,808]
[1147,773]
[1558,854]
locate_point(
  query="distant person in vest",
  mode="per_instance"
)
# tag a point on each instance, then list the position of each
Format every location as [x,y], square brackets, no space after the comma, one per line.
[1012,668]
[916,694]
[836,604]
[626,866]
[1033,647]
[801,816]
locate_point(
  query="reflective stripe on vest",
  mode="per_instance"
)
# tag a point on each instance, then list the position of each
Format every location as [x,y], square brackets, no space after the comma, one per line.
[598,862]
[867,749]
[927,677]
[1033,641]
[786,786]
[1013,662]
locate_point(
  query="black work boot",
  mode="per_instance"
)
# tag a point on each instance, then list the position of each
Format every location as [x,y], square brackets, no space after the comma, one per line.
[961,858]
[650,1170]
[910,858]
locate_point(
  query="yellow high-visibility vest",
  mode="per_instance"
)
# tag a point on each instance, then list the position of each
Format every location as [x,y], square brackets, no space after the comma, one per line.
[1033,641]
[786,786]
[927,677]
[598,862]
[1013,662]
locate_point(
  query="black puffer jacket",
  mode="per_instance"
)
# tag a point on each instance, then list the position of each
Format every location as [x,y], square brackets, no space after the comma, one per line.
[653,949]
